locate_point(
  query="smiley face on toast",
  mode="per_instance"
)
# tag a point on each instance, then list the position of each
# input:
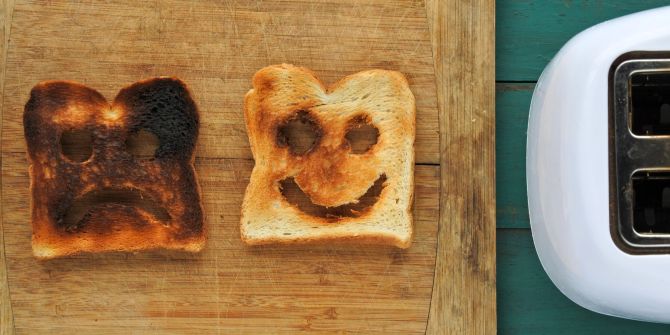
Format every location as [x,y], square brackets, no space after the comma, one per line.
[339,181]
[109,198]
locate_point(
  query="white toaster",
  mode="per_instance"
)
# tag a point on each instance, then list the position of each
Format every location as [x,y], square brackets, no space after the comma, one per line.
[598,167]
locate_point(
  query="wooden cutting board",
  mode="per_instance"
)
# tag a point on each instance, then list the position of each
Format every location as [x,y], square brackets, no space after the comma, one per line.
[445,283]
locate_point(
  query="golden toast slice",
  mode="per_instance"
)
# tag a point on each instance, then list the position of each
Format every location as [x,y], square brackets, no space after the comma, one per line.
[360,197]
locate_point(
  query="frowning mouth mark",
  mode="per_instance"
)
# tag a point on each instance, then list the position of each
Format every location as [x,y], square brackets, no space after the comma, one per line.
[85,206]
[296,197]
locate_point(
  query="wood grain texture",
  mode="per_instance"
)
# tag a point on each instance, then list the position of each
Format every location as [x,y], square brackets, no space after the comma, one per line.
[215,47]
[228,287]
[6,317]
[464,289]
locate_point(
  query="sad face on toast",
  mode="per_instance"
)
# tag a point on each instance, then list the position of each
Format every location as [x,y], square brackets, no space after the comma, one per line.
[111,199]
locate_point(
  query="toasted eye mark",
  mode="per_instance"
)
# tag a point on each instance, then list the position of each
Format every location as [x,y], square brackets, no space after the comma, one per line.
[83,207]
[77,145]
[142,144]
[296,197]
[300,133]
[361,135]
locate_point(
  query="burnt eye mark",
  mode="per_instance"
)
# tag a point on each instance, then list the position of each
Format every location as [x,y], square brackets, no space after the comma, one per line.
[296,197]
[300,133]
[164,107]
[142,144]
[77,145]
[361,135]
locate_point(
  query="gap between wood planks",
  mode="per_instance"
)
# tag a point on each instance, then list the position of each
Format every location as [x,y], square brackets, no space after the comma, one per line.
[464,288]
[6,315]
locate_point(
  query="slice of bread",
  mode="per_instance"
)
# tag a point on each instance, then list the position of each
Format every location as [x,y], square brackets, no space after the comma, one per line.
[120,181]
[336,181]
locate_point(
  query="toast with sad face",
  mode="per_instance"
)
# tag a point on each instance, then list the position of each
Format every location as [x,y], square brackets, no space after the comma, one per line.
[112,199]
[343,194]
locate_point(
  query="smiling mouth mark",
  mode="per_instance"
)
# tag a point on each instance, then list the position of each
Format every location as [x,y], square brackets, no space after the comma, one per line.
[296,197]
[83,207]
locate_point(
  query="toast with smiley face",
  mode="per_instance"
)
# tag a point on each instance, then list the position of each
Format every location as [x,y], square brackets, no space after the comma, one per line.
[327,191]
[112,199]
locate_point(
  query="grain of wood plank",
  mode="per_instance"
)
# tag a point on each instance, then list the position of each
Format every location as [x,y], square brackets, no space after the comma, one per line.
[228,288]
[6,317]
[216,48]
[464,289]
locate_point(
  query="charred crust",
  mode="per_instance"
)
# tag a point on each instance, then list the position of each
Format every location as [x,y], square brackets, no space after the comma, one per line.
[53,95]
[45,100]
[359,120]
[164,107]
[192,214]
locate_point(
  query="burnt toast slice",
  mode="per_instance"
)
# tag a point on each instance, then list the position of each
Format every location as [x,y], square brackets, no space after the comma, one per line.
[359,197]
[113,200]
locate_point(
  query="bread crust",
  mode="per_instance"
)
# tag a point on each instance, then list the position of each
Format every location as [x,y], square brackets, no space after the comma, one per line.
[162,106]
[329,173]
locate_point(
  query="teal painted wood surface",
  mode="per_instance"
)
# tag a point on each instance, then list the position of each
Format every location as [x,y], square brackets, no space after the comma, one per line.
[528,303]
[528,34]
